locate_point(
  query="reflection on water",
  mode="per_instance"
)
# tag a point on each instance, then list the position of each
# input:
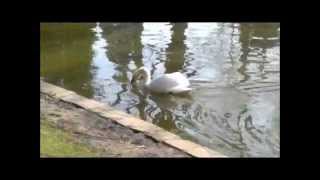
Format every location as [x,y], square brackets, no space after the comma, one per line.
[234,69]
[65,54]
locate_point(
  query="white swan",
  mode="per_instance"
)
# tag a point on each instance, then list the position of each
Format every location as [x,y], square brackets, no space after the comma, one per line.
[168,83]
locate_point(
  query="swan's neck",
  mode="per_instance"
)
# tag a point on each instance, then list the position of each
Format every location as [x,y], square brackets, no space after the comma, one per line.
[148,78]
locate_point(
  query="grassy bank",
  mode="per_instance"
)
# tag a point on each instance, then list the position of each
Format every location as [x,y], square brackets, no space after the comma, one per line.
[55,142]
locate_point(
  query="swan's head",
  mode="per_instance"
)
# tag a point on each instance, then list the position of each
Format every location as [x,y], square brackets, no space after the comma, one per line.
[140,74]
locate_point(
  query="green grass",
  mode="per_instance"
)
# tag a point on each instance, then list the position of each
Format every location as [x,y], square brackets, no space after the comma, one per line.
[55,142]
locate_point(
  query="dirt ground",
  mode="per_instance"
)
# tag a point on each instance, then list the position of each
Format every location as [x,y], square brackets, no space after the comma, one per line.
[102,135]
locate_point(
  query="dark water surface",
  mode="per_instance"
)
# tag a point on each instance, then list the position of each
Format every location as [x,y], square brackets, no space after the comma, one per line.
[234,69]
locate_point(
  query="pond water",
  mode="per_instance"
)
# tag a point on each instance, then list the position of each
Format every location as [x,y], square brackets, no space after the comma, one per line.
[234,69]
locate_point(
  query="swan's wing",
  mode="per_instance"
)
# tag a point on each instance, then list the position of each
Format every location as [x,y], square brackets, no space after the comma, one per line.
[163,84]
[167,82]
[180,78]
[180,89]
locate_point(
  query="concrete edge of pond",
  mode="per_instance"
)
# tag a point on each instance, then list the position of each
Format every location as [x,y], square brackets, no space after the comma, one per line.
[129,121]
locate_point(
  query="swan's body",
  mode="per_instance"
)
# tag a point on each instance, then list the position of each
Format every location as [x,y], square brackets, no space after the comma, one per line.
[167,83]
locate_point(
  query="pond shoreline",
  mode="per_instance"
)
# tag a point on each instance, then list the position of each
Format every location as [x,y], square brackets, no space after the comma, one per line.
[106,132]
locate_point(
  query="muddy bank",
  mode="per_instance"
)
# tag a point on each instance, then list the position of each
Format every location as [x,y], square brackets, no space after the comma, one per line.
[101,136]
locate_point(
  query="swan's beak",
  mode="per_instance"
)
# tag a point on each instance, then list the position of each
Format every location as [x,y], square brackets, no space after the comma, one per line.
[132,80]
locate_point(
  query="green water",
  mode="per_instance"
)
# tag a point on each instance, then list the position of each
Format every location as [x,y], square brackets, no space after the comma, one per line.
[234,69]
